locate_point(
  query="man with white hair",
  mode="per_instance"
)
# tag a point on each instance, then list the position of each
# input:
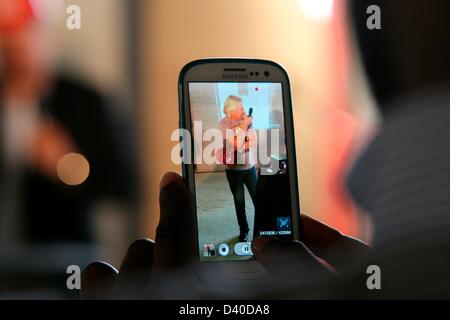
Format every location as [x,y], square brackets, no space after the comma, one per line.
[240,169]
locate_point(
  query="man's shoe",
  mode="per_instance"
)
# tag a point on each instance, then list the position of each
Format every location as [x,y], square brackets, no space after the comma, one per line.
[243,236]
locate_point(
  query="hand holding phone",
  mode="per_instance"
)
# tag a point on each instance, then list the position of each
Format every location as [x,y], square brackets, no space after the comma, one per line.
[187,210]
[146,257]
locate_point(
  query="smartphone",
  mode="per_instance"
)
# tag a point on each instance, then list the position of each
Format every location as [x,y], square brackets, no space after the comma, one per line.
[238,158]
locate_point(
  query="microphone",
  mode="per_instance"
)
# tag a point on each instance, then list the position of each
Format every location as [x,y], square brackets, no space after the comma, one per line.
[250,112]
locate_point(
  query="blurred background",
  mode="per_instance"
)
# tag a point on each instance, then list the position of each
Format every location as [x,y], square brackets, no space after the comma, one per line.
[87,116]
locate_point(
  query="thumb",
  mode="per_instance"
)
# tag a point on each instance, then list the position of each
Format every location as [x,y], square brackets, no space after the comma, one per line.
[175,234]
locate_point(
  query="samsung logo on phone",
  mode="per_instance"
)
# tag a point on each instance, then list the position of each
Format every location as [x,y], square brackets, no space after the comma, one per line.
[235,76]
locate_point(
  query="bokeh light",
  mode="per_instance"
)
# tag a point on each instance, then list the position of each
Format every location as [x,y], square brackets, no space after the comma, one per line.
[73,169]
[317,9]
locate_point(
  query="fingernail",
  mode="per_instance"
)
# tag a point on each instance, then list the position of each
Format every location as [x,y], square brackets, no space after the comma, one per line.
[168,178]
[259,243]
[97,280]
[141,247]
[139,255]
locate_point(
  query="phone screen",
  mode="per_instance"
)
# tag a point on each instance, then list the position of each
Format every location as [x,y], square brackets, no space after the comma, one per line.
[241,171]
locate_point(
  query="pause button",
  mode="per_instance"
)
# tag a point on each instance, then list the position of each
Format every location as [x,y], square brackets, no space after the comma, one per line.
[243,249]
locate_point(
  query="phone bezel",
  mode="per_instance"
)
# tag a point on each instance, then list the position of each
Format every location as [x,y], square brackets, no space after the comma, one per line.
[212,70]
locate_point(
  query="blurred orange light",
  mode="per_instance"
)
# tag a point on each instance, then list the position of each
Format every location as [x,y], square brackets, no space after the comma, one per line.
[14,15]
[73,169]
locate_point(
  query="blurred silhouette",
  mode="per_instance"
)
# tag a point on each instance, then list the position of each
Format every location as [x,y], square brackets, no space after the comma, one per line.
[60,156]
[402,179]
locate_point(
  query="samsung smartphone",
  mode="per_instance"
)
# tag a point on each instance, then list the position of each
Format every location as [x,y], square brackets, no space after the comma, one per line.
[239,160]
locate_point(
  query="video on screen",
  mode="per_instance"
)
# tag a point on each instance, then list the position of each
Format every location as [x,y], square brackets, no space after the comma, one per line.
[241,169]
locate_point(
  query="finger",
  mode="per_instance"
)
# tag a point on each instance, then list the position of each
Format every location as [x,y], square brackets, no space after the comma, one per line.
[287,258]
[136,267]
[317,235]
[175,234]
[98,280]
[331,245]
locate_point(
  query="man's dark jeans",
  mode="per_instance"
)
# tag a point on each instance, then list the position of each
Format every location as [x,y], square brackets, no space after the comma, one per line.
[237,179]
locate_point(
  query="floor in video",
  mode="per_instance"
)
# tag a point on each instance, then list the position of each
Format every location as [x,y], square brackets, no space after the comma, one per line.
[217,220]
